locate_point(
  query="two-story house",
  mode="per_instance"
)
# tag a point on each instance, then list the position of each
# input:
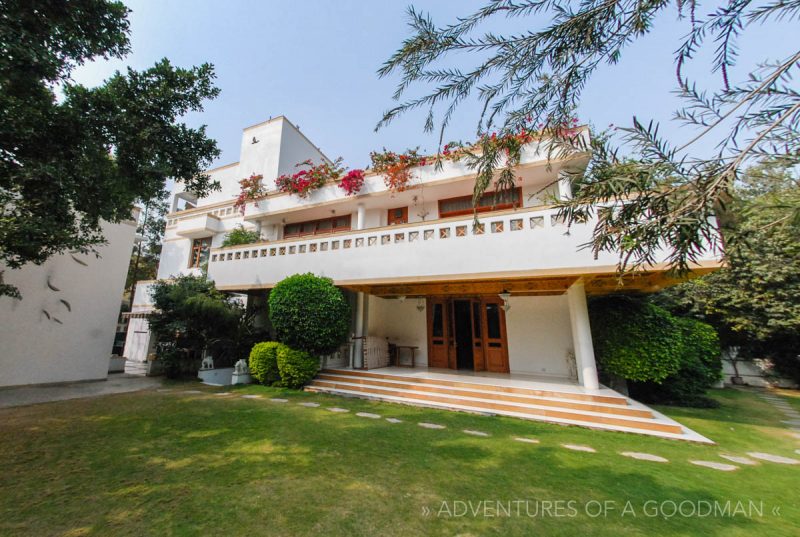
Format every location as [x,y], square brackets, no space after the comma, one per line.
[498,309]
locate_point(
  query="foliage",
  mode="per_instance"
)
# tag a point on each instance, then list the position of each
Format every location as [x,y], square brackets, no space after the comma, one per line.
[667,196]
[250,189]
[151,225]
[700,368]
[352,182]
[296,368]
[191,316]
[306,181]
[240,235]
[264,362]
[396,168]
[752,301]
[634,339]
[70,161]
[309,313]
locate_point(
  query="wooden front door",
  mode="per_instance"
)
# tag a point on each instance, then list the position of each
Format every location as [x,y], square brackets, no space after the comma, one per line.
[475,322]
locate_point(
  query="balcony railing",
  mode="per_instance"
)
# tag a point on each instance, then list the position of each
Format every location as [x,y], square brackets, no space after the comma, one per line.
[518,242]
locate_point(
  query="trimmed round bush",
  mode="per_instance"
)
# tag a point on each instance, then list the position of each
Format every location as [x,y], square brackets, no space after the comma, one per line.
[309,313]
[264,362]
[296,367]
[635,340]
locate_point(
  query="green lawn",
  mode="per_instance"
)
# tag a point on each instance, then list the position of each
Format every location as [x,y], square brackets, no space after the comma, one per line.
[176,464]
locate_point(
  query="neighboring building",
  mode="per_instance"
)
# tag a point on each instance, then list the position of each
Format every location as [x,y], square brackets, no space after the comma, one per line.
[506,297]
[63,328]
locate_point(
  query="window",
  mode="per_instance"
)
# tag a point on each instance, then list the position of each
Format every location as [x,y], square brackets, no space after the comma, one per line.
[317,227]
[491,201]
[200,250]
[397,216]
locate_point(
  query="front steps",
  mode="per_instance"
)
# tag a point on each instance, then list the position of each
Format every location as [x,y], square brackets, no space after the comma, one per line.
[607,410]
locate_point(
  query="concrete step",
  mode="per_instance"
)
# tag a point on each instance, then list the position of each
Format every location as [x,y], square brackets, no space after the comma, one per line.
[481,392]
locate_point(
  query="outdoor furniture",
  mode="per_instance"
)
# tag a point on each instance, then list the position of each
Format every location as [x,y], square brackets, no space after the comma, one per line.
[397,354]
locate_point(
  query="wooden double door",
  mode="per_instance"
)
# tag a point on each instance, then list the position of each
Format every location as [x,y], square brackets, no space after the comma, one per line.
[467,333]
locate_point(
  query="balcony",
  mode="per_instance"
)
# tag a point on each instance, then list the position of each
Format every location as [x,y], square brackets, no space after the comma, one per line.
[523,243]
[198,226]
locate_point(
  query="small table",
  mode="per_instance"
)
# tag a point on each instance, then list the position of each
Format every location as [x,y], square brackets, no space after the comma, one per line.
[413,354]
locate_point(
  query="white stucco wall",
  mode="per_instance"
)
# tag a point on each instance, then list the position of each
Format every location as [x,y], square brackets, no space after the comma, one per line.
[38,350]
[539,335]
[402,323]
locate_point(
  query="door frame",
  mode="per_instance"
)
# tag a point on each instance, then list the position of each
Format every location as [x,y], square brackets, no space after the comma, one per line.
[480,341]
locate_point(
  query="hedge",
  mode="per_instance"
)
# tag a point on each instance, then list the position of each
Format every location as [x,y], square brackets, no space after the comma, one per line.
[295,367]
[264,362]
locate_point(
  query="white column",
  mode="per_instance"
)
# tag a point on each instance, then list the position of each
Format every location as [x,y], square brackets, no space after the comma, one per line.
[564,186]
[582,336]
[361,218]
[360,329]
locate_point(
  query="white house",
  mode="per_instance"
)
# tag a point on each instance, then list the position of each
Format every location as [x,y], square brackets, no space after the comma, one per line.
[502,303]
[63,328]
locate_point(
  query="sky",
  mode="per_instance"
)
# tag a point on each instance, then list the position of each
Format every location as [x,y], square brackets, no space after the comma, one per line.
[315,62]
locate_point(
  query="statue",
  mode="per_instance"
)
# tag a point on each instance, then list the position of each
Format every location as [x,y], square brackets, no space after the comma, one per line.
[207,363]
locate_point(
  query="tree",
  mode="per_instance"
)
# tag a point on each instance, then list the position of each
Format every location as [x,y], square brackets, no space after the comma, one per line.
[668,196]
[145,256]
[753,300]
[71,156]
[240,235]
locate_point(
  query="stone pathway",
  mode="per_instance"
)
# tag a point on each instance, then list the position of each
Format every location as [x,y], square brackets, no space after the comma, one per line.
[475,433]
[772,458]
[576,447]
[394,420]
[337,409]
[716,465]
[369,415]
[279,400]
[309,405]
[431,425]
[526,440]
[192,392]
[643,456]
[116,383]
[222,393]
[251,396]
[740,460]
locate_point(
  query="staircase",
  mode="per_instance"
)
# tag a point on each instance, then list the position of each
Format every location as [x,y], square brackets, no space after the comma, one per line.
[607,410]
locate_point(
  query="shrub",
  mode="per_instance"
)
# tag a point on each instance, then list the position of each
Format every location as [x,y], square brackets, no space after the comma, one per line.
[635,340]
[309,313]
[240,235]
[264,362]
[296,368]
[700,368]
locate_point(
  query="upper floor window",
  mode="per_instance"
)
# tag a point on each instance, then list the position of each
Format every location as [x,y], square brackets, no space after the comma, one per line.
[491,201]
[317,227]
[397,216]
[200,250]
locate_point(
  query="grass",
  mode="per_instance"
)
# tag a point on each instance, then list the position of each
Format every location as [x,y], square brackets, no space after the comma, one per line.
[153,463]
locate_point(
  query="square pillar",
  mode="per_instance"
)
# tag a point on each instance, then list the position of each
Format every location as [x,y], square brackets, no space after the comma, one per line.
[582,336]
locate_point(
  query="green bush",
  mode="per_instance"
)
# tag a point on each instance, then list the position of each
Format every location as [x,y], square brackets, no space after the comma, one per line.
[264,362]
[700,368]
[296,368]
[635,340]
[240,235]
[309,313]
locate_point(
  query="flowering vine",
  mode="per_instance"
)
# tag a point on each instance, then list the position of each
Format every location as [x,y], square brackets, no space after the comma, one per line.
[352,182]
[396,168]
[306,181]
[251,189]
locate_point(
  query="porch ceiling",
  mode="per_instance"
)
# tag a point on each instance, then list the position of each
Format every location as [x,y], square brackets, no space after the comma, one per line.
[595,284]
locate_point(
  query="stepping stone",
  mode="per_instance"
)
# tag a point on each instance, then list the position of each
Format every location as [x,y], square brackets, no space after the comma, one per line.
[164,390]
[793,423]
[394,420]
[431,425]
[643,456]
[309,405]
[337,409]
[526,440]
[773,458]
[191,391]
[796,435]
[278,400]
[740,460]
[575,447]
[475,433]
[251,397]
[368,415]
[716,465]
[797,451]
[222,393]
